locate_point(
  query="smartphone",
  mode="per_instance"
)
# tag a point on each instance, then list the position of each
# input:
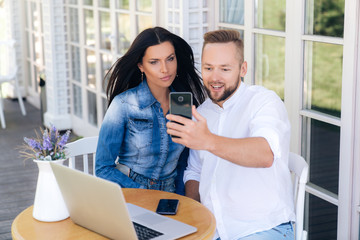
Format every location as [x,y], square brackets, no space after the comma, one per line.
[167,206]
[181,103]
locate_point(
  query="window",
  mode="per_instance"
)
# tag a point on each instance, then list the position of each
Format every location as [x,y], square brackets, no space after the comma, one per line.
[100,32]
[298,51]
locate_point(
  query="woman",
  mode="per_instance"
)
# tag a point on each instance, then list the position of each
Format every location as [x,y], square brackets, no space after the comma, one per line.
[134,149]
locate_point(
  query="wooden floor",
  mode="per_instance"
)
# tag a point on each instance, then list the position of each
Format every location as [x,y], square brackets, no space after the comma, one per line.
[17,178]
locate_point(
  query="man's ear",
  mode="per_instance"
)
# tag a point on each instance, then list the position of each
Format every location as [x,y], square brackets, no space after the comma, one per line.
[243,69]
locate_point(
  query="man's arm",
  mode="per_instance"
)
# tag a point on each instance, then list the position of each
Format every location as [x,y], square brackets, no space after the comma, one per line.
[247,152]
[192,190]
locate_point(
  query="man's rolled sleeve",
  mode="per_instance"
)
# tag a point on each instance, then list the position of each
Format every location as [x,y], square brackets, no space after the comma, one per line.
[272,138]
[193,169]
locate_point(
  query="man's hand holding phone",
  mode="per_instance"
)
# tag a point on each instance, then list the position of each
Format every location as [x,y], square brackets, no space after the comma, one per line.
[192,134]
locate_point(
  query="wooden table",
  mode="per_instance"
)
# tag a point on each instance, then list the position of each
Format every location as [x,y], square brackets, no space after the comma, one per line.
[191,212]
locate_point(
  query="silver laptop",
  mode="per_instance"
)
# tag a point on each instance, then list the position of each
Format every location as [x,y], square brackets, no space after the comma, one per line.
[99,205]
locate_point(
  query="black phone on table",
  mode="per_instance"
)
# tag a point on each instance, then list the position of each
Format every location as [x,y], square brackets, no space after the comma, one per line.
[167,206]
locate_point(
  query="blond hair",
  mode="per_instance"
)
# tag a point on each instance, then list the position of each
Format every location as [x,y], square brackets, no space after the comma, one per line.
[225,36]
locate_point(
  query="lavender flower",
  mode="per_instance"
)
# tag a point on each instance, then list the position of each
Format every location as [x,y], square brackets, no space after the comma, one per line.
[64,139]
[53,134]
[48,146]
[47,141]
[33,143]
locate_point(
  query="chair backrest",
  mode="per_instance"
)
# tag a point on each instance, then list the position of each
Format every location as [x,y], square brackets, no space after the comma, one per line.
[8,66]
[81,149]
[300,169]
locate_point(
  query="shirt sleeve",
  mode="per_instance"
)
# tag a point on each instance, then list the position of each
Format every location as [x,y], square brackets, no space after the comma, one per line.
[270,121]
[193,169]
[111,137]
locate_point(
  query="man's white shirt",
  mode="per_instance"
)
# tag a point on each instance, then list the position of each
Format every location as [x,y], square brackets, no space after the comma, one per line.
[245,200]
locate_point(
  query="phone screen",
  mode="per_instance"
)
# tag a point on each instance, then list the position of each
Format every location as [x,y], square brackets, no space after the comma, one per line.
[181,103]
[167,206]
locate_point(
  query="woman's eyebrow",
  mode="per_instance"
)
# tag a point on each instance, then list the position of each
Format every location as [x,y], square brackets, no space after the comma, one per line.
[171,55]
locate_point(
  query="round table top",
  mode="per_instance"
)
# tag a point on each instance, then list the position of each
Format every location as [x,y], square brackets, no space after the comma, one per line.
[189,211]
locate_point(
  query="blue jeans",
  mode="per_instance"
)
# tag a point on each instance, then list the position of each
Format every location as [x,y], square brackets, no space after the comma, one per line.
[283,231]
[167,185]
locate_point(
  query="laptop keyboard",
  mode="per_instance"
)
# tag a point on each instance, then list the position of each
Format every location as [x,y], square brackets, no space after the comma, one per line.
[145,233]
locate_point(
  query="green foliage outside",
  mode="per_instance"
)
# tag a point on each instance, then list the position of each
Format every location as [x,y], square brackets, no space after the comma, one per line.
[329,17]
[326,58]
[273,60]
[273,15]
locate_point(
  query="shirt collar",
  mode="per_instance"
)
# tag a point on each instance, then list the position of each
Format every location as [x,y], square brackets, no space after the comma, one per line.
[234,98]
[144,95]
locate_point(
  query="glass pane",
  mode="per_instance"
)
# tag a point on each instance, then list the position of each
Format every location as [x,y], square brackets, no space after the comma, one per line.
[104,3]
[270,63]
[26,4]
[75,64]
[92,110]
[40,17]
[105,28]
[143,22]
[124,32]
[270,14]
[322,219]
[77,101]
[232,11]
[27,39]
[36,72]
[144,5]
[35,17]
[89,28]
[91,68]
[29,79]
[37,50]
[205,4]
[122,4]
[74,25]
[323,72]
[73,2]
[88,2]
[105,66]
[43,50]
[241,32]
[325,18]
[324,154]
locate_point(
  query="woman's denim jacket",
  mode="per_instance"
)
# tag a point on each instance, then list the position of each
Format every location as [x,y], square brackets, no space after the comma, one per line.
[134,131]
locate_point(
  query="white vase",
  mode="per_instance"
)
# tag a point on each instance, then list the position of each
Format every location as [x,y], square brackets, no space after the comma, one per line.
[49,205]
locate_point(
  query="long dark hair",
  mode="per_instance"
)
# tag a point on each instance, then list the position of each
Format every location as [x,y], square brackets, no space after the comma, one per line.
[125,74]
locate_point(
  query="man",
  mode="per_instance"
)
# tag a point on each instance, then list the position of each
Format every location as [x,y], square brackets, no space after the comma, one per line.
[239,141]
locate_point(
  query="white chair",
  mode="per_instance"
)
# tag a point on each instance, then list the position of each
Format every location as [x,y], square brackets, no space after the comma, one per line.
[80,149]
[300,169]
[8,72]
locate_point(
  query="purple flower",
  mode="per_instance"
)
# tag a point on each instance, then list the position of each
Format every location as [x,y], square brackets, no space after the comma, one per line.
[33,143]
[46,141]
[47,146]
[53,134]
[64,139]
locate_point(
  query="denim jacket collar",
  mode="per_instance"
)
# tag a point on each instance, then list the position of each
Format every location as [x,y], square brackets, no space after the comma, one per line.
[144,95]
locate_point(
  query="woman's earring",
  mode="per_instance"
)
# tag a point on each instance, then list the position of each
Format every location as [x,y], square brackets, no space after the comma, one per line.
[142,76]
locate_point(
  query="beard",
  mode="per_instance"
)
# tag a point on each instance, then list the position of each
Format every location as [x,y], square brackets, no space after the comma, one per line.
[226,94]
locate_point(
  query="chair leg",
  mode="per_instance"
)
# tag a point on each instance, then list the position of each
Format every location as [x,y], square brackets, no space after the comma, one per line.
[21,103]
[2,118]
[2,106]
